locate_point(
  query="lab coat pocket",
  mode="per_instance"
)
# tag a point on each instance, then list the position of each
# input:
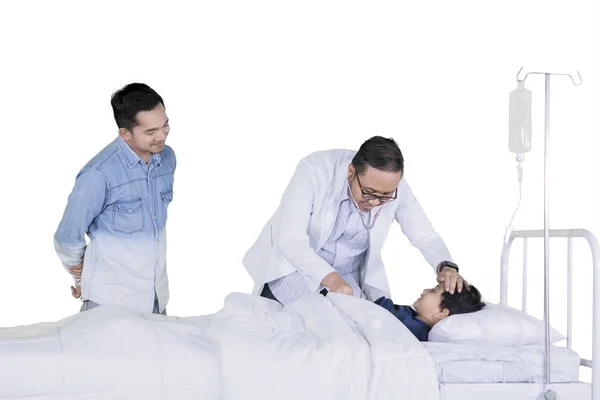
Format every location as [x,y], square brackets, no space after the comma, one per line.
[129,216]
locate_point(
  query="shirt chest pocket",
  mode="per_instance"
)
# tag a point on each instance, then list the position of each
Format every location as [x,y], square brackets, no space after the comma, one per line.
[167,197]
[129,216]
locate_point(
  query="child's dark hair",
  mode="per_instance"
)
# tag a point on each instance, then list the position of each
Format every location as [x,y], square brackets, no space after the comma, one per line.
[467,301]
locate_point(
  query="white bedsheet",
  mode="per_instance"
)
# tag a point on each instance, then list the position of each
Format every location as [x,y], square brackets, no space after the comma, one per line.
[337,347]
[470,363]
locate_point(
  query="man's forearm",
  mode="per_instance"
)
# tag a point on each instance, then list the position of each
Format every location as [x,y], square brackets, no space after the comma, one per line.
[85,203]
[419,230]
[70,254]
[306,262]
[435,251]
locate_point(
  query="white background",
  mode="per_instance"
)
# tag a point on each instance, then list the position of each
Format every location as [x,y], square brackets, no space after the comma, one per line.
[251,87]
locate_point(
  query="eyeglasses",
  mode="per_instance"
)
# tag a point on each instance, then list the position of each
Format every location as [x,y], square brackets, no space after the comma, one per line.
[371,196]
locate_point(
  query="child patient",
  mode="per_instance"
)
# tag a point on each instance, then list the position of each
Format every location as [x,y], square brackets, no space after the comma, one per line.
[433,306]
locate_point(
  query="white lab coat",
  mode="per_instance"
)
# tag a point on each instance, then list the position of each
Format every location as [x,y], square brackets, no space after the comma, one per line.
[306,216]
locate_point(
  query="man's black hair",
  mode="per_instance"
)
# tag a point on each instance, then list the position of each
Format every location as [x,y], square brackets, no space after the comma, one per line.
[132,99]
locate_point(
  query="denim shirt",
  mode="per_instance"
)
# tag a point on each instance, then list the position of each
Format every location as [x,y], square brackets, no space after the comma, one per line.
[121,203]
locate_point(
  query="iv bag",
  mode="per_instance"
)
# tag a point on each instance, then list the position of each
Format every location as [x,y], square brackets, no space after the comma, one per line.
[519,135]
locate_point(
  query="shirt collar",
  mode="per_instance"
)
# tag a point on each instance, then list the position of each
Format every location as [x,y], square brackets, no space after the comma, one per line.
[132,158]
[345,195]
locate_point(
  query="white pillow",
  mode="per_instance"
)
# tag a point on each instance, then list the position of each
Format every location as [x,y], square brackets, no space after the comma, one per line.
[494,325]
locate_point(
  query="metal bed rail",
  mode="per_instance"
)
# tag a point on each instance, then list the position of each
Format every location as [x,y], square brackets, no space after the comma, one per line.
[569,234]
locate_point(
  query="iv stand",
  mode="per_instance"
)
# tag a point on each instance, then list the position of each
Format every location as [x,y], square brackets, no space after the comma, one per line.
[548,394]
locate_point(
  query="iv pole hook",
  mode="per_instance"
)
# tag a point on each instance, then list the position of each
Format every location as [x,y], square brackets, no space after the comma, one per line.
[550,73]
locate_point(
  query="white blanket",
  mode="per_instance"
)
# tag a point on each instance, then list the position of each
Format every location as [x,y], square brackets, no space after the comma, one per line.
[337,347]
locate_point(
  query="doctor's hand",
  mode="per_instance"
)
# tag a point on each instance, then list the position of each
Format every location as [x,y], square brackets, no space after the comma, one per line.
[337,284]
[451,279]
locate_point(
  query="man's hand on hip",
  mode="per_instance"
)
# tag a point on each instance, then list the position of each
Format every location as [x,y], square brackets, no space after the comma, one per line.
[77,270]
[76,291]
[337,284]
[451,279]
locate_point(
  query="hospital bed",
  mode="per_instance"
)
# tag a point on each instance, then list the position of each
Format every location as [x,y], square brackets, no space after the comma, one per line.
[334,347]
[481,371]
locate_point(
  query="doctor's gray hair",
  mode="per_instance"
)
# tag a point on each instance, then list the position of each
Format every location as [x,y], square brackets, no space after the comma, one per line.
[379,153]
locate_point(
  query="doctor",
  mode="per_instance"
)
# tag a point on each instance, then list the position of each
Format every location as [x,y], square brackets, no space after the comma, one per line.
[331,225]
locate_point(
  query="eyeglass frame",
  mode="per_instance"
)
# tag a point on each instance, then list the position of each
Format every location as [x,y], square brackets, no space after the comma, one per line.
[381,199]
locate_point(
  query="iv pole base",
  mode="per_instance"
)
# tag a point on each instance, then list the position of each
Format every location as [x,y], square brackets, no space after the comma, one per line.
[549,395]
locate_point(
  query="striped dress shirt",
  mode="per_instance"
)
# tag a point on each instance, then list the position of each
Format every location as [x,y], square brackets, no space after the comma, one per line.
[345,251]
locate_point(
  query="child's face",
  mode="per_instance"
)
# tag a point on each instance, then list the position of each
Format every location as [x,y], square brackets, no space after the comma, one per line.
[428,305]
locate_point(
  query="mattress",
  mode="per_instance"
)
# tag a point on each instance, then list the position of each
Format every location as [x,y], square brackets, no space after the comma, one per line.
[513,391]
[471,363]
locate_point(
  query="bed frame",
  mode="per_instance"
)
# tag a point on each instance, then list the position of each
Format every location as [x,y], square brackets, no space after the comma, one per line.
[534,391]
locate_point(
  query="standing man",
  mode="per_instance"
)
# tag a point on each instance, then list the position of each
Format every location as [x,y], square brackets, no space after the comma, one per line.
[332,223]
[120,201]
